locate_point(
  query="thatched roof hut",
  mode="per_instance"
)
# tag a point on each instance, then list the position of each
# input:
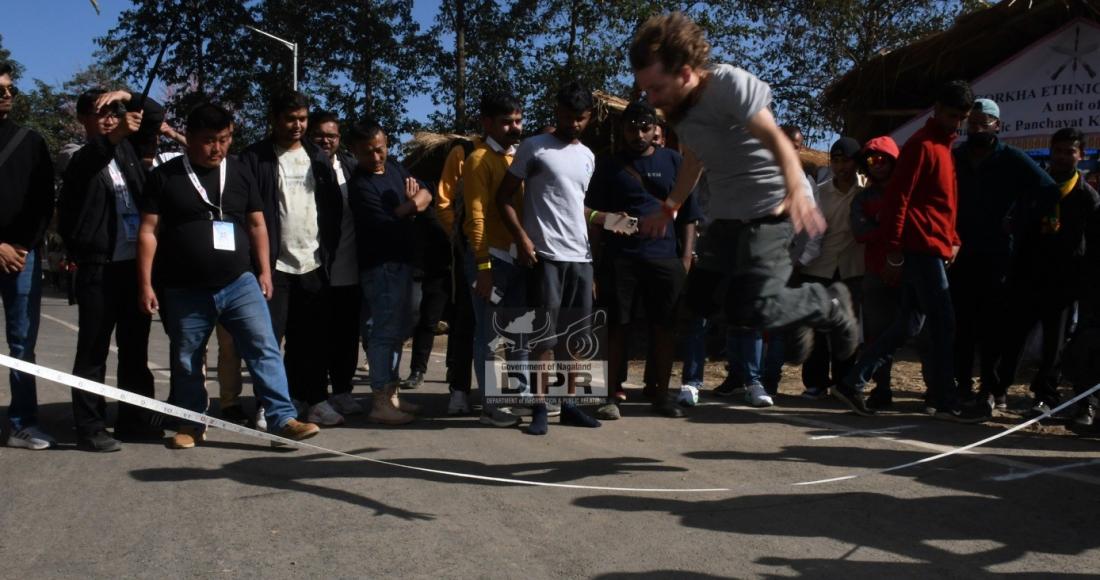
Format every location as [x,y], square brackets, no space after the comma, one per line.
[878,97]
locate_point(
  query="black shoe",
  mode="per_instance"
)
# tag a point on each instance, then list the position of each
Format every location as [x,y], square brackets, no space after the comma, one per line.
[880,398]
[798,344]
[728,388]
[667,408]
[235,414]
[1085,415]
[853,398]
[99,442]
[139,432]
[843,338]
[976,413]
[1039,409]
[416,378]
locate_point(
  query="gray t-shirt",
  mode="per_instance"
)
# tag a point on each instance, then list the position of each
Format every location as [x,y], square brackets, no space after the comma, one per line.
[556,176]
[745,181]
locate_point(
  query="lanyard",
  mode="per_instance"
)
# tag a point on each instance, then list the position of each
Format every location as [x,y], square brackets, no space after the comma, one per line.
[122,191]
[202,190]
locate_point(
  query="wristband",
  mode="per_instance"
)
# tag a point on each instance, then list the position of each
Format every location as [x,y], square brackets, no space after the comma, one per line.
[592,215]
[669,208]
[484,266]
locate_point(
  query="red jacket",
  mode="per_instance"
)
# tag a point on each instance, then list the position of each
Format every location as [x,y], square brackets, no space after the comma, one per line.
[867,208]
[922,196]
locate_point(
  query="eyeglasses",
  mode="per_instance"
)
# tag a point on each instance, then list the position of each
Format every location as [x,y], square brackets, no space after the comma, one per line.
[9,90]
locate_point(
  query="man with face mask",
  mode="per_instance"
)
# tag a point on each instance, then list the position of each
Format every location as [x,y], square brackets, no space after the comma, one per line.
[992,178]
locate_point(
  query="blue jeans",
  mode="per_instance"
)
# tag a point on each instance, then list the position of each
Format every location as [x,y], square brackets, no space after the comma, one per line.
[695,352]
[190,315]
[745,353]
[22,296]
[387,289]
[925,299]
[508,279]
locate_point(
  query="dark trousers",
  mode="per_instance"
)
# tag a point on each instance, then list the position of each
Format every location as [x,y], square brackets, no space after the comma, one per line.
[1028,306]
[299,314]
[878,307]
[460,339]
[978,294]
[107,295]
[816,370]
[343,336]
[431,301]
[757,257]
[925,299]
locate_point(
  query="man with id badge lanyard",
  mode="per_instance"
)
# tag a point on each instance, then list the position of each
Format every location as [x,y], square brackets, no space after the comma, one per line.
[202,220]
[98,218]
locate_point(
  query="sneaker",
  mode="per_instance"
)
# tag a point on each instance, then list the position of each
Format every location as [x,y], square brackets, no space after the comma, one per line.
[298,431]
[619,395]
[667,408]
[1085,416]
[880,399]
[815,393]
[756,396]
[553,409]
[498,418]
[260,422]
[689,396]
[728,388]
[32,438]
[416,378]
[609,412]
[187,437]
[1000,402]
[323,414]
[798,344]
[853,399]
[459,403]
[345,404]
[844,338]
[974,413]
[232,413]
[99,442]
[1039,409]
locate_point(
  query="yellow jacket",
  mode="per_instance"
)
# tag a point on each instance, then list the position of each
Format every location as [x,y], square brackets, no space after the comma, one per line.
[483,171]
[450,186]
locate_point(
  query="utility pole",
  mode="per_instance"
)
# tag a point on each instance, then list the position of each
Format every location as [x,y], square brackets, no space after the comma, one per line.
[293,46]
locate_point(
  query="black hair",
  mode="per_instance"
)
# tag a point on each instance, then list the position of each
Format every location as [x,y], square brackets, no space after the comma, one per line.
[364,130]
[6,69]
[640,111]
[286,100]
[85,103]
[957,95]
[496,103]
[575,97]
[321,117]
[208,116]
[1069,135]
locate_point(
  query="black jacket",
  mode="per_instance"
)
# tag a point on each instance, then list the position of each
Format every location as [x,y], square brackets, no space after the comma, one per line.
[261,160]
[26,188]
[87,220]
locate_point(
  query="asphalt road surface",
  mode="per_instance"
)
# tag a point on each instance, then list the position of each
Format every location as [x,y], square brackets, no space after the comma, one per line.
[1027,505]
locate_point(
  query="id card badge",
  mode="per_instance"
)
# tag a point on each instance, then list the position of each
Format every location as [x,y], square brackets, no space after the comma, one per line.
[130,223]
[223,236]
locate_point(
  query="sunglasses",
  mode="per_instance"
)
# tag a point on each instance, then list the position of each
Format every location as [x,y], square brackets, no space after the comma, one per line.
[9,91]
[878,159]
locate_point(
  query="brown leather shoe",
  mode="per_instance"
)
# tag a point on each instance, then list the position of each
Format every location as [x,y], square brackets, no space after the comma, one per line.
[297,430]
[186,438]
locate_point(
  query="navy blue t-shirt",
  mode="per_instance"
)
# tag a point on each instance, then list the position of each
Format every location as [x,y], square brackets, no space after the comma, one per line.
[380,235]
[614,189]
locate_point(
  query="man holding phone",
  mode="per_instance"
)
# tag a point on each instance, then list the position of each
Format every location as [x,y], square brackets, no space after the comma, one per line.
[634,271]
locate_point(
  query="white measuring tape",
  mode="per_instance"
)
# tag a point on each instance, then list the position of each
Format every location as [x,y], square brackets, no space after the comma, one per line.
[181,413]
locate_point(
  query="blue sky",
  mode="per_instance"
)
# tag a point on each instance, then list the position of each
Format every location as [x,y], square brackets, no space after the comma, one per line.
[53,39]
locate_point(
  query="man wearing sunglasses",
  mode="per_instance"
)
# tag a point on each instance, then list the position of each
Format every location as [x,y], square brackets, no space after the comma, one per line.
[26,205]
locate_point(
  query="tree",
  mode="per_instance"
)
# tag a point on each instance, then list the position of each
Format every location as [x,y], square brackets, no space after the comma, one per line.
[5,56]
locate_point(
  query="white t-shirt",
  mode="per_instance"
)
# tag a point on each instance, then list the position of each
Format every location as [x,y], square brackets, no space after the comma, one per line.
[300,243]
[556,176]
[345,268]
[840,252]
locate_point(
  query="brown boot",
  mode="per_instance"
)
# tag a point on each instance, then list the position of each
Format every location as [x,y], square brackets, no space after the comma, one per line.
[403,406]
[187,437]
[297,430]
[385,412]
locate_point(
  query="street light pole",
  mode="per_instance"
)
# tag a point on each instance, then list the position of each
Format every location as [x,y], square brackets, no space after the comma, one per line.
[293,46]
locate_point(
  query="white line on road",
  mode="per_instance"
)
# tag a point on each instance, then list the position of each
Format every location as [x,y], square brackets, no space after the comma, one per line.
[1044,470]
[882,431]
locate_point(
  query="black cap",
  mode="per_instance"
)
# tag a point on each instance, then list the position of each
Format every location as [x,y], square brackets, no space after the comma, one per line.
[640,111]
[845,147]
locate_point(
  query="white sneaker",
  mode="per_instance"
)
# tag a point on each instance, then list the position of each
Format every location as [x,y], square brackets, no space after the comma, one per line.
[459,404]
[689,396]
[756,396]
[260,422]
[31,438]
[323,414]
[345,404]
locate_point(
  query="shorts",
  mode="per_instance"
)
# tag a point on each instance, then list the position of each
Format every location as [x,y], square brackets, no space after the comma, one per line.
[654,285]
[563,292]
